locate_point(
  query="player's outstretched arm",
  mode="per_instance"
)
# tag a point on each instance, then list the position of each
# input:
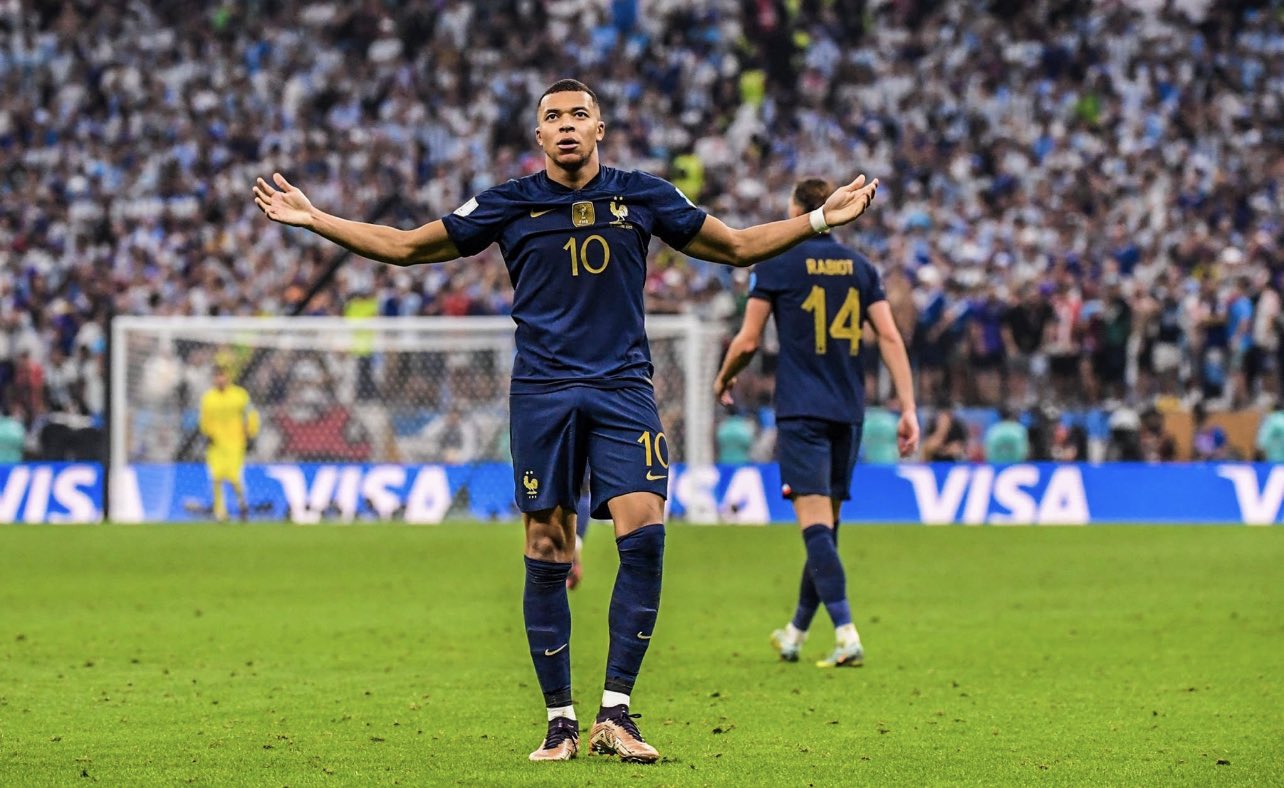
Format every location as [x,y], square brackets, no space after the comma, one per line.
[742,348]
[892,348]
[718,243]
[287,204]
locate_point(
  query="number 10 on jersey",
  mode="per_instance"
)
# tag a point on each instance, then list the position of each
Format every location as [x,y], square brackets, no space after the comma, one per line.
[846,323]
[579,251]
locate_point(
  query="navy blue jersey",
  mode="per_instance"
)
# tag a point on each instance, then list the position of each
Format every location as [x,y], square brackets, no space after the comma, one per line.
[577,260]
[819,291]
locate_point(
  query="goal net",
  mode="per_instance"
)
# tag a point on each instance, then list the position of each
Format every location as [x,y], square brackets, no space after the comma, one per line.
[379,418]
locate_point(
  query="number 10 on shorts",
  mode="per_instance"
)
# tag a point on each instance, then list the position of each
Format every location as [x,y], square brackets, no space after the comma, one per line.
[657,451]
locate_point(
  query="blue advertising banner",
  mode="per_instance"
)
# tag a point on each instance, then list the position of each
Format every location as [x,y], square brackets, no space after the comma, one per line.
[54,492]
[1035,493]
[1024,494]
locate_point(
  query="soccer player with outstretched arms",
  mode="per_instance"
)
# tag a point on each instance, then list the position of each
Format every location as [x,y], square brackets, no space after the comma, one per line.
[574,238]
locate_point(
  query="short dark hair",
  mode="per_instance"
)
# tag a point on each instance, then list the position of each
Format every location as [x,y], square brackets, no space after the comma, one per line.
[568,86]
[811,193]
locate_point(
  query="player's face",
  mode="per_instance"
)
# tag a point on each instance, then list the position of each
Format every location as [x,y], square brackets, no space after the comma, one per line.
[569,128]
[220,379]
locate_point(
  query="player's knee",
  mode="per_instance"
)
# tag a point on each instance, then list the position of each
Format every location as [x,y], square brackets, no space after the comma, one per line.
[635,510]
[644,547]
[549,546]
[549,536]
[812,509]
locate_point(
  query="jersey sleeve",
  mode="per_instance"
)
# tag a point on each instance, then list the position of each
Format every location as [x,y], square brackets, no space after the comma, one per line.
[677,219]
[874,291]
[477,223]
[763,281]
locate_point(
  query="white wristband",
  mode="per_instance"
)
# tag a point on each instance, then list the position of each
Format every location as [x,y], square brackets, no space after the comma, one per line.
[817,218]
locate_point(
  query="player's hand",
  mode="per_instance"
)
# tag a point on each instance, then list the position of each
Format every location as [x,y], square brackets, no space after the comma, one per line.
[287,205]
[907,433]
[722,391]
[850,201]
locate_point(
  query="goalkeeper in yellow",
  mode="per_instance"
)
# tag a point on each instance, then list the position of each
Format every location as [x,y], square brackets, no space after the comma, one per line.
[228,420]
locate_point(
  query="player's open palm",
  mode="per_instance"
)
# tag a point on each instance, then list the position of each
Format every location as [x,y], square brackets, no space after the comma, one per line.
[850,201]
[285,204]
[907,434]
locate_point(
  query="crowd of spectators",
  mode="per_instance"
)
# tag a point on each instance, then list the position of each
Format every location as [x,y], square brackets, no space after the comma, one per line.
[1081,201]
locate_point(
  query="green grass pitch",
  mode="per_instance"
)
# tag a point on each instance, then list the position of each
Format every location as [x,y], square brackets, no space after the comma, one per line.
[326,655]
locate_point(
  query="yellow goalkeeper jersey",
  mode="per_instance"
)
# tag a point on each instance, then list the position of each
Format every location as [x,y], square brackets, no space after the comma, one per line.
[227,417]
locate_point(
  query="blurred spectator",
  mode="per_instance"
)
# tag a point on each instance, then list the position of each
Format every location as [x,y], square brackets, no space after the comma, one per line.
[1210,441]
[735,439]
[927,348]
[1111,328]
[1063,345]
[453,437]
[1024,327]
[13,436]
[946,439]
[1155,442]
[1069,443]
[878,443]
[1125,436]
[1006,441]
[1270,436]
[1262,363]
[987,354]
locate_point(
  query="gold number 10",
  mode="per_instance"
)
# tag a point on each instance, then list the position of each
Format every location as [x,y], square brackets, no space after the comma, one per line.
[653,451]
[579,254]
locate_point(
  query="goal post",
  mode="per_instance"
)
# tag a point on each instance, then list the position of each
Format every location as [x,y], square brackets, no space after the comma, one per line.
[387,418]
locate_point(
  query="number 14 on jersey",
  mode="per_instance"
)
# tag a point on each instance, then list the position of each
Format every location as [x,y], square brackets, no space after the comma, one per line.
[846,323]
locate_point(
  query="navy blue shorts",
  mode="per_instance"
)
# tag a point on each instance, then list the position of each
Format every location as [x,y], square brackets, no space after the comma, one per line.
[817,456]
[614,432]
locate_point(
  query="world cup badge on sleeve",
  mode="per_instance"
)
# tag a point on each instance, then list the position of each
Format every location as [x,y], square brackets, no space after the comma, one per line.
[582,214]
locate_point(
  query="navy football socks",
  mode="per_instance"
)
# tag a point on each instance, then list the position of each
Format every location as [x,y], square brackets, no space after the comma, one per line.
[634,604]
[548,628]
[808,601]
[808,597]
[827,572]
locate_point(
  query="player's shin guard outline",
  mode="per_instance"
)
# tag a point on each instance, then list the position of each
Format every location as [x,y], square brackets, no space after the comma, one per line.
[808,596]
[827,572]
[547,611]
[635,604]
[808,601]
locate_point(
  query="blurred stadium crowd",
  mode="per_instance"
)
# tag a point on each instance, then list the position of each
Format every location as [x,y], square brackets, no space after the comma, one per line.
[1081,206]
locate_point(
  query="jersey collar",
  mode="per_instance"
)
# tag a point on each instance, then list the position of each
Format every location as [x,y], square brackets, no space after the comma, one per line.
[561,189]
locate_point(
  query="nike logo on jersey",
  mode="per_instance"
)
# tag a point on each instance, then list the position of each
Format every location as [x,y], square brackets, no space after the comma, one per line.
[537,214]
[643,637]
[651,477]
[555,651]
